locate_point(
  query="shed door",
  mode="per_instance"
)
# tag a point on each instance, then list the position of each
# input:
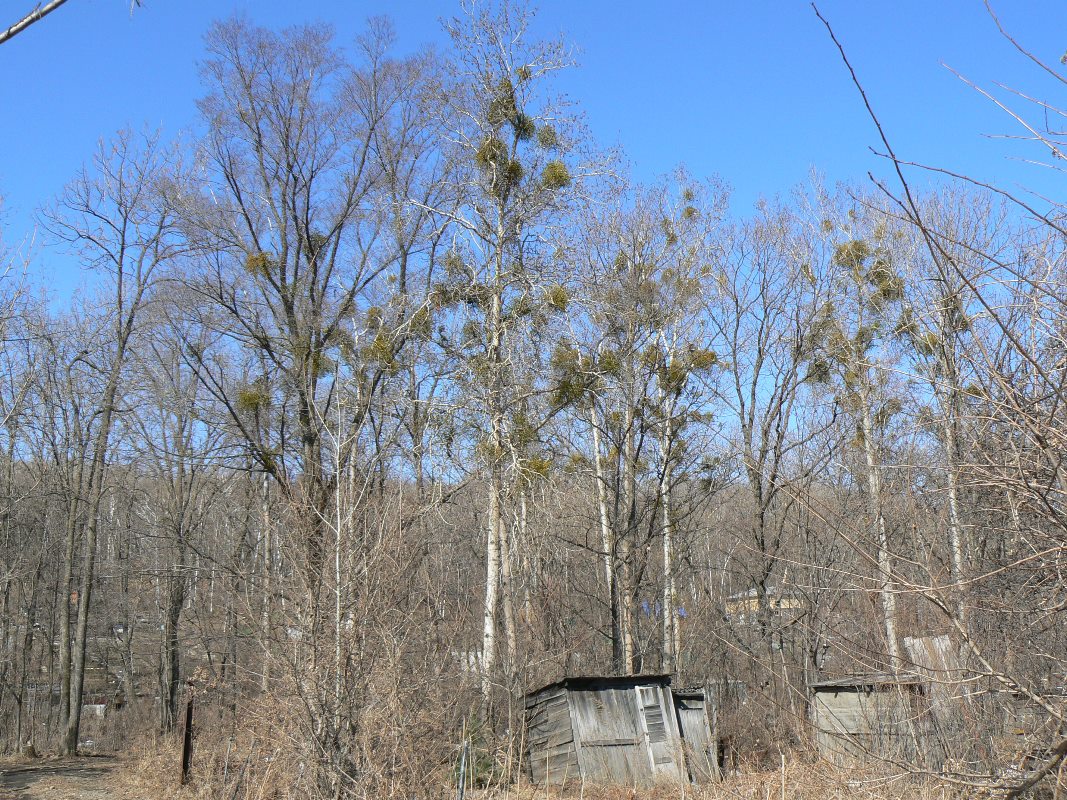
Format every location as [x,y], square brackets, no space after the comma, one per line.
[612,743]
[701,751]
[662,743]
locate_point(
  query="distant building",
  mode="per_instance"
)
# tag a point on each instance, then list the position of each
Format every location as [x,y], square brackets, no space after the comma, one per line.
[744,606]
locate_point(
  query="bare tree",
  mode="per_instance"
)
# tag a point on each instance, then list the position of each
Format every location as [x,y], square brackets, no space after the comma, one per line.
[512,145]
[763,309]
[117,221]
[854,332]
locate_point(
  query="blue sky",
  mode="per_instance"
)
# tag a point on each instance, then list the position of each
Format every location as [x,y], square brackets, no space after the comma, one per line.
[751,91]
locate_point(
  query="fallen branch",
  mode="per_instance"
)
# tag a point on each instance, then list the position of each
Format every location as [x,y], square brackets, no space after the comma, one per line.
[1059,752]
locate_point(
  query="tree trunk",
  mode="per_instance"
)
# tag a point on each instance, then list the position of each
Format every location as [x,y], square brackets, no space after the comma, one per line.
[508,604]
[955,525]
[629,510]
[495,343]
[267,611]
[671,643]
[69,744]
[492,585]
[171,645]
[66,584]
[886,588]
[607,544]
[30,607]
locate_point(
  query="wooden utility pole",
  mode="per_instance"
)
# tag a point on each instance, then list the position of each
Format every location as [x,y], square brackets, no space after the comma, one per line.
[187,735]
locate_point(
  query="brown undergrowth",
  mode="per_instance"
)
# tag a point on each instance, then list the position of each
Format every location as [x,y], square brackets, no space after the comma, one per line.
[249,770]
[798,779]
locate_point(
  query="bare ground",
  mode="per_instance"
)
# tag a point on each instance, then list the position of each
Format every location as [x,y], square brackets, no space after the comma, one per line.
[94,778]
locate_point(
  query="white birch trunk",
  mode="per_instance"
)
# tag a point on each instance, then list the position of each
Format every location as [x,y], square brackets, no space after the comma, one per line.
[670,598]
[492,583]
[629,492]
[886,588]
[607,542]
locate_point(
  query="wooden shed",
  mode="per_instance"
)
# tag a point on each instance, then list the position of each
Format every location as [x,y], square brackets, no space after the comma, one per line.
[621,730]
[868,718]
[698,727]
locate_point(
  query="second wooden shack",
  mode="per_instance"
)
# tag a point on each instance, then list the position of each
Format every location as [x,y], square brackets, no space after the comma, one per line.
[869,718]
[617,730]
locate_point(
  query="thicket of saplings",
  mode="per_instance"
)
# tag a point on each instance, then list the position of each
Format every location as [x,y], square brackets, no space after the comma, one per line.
[391,399]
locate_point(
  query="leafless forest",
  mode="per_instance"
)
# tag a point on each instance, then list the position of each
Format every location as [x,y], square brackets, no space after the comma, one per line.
[394,399]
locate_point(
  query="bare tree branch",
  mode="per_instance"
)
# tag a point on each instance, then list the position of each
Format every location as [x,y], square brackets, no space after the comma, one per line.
[39,12]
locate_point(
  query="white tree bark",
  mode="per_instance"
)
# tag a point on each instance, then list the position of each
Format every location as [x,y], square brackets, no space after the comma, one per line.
[671,645]
[607,542]
[39,12]
[887,587]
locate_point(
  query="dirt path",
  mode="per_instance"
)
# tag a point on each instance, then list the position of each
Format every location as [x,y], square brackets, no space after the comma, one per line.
[67,779]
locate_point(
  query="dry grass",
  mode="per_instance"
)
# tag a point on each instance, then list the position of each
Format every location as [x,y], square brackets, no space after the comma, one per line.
[402,752]
[239,768]
[154,774]
[800,779]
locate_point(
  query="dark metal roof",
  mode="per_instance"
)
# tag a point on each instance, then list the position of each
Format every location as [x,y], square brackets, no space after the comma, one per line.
[587,681]
[689,691]
[874,679]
